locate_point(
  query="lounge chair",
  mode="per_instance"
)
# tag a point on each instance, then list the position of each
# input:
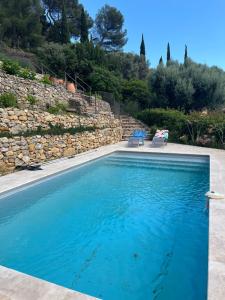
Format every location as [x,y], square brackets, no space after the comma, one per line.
[160,138]
[133,142]
[137,138]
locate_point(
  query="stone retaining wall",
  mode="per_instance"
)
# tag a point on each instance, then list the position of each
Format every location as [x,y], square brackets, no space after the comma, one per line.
[48,95]
[17,151]
[15,120]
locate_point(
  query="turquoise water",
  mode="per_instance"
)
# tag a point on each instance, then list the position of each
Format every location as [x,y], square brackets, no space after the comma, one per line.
[123,227]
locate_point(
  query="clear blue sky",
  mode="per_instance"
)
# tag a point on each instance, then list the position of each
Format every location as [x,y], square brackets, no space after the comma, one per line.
[198,23]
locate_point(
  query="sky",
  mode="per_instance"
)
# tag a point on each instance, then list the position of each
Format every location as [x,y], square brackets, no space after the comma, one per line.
[198,23]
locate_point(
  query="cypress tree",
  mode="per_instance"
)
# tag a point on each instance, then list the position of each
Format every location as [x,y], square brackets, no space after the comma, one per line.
[168,53]
[185,54]
[142,47]
[161,61]
[65,35]
[83,27]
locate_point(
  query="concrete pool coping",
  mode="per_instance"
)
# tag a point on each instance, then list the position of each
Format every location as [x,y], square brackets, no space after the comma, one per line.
[15,285]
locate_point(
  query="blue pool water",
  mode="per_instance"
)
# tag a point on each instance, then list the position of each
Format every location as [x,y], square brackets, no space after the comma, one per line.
[123,227]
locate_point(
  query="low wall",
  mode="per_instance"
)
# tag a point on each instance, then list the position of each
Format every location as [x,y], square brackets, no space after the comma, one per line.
[17,151]
[15,120]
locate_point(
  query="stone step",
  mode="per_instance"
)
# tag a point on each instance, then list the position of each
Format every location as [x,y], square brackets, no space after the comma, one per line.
[129,124]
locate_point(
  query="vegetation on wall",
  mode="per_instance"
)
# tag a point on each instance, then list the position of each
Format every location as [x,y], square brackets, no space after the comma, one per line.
[53,130]
[8,100]
[13,68]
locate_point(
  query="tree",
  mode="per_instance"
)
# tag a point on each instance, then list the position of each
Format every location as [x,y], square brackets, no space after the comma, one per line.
[83,27]
[142,47]
[136,91]
[192,87]
[108,31]
[64,35]
[161,61]
[185,54]
[53,14]
[20,24]
[58,58]
[168,53]
[103,80]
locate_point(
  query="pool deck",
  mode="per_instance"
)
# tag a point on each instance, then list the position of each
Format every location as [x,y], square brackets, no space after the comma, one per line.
[17,286]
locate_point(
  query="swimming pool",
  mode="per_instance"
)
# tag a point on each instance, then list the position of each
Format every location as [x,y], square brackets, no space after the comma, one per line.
[127,226]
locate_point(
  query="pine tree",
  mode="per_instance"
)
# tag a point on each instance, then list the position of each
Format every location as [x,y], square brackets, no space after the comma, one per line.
[20,24]
[168,53]
[142,47]
[83,27]
[185,54]
[65,35]
[161,61]
[108,32]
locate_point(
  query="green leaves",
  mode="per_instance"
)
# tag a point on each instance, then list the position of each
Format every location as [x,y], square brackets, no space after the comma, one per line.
[13,68]
[20,23]
[196,128]
[188,86]
[109,33]
[8,100]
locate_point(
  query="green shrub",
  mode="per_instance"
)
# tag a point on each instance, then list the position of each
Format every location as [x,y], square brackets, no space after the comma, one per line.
[46,80]
[11,67]
[26,74]
[195,128]
[8,100]
[170,119]
[53,130]
[57,108]
[31,99]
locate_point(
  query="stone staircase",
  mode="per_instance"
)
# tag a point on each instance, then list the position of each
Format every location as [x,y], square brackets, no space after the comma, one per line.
[129,124]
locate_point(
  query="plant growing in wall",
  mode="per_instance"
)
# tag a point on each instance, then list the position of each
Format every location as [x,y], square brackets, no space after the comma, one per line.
[31,99]
[26,74]
[13,68]
[58,108]
[46,80]
[8,100]
[10,67]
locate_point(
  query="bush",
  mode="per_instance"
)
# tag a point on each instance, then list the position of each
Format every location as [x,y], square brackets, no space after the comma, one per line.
[11,67]
[26,74]
[196,128]
[136,91]
[58,108]
[46,80]
[8,100]
[53,130]
[31,99]
[103,80]
[168,118]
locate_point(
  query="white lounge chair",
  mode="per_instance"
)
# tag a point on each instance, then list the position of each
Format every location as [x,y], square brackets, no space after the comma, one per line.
[160,138]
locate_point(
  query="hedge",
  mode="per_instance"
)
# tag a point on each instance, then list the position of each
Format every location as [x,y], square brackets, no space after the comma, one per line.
[196,128]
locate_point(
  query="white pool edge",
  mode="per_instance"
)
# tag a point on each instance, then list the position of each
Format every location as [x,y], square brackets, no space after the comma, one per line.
[16,285]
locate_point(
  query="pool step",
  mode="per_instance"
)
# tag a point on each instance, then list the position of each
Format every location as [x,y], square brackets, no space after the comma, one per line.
[156,164]
[154,159]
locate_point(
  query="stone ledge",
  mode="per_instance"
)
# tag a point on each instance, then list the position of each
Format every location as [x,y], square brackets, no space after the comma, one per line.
[19,286]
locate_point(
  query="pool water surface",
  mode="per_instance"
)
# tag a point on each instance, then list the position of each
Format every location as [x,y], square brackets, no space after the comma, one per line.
[126,226]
